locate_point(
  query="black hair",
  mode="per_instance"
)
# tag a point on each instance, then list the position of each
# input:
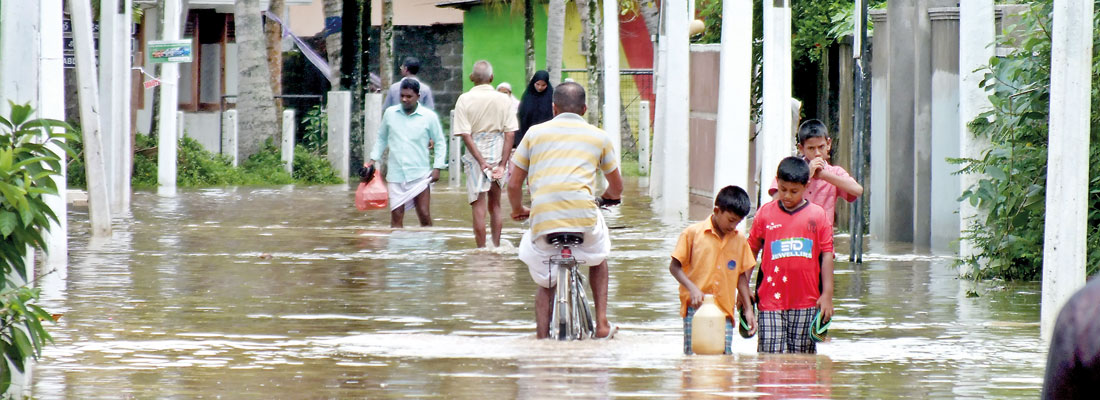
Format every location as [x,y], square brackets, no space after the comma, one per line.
[733,199]
[810,129]
[411,84]
[794,170]
[569,97]
[412,65]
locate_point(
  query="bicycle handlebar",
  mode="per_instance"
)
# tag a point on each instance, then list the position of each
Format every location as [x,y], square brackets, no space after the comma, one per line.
[605,202]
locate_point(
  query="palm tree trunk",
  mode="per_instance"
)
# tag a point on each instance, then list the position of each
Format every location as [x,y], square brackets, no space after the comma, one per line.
[274,34]
[333,44]
[385,52]
[256,103]
[555,36]
[529,37]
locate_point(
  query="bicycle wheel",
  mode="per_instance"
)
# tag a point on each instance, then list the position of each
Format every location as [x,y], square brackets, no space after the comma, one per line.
[562,311]
[588,324]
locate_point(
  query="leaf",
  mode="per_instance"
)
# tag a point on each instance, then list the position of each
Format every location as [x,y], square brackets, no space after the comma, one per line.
[20,113]
[8,222]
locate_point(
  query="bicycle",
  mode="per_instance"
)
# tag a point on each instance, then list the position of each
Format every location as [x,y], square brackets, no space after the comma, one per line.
[571,317]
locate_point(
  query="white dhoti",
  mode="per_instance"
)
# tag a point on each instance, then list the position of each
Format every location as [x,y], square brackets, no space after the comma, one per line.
[403,194]
[490,145]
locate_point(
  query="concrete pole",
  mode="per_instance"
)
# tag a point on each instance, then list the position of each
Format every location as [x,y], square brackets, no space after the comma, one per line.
[677,106]
[180,130]
[731,143]
[900,141]
[945,127]
[880,60]
[339,132]
[169,84]
[611,99]
[289,132]
[976,36]
[109,58]
[231,130]
[372,120]
[99,207]
[454,160]
[657,179]
[643,137]
[51,104]
[123,86]
[1064,250]
[778,125]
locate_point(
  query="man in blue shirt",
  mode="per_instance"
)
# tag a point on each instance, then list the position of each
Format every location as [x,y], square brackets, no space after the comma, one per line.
[409,69]
[406,131]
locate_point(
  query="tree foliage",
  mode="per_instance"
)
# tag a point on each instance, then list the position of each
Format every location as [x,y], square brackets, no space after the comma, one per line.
[1011,195]
[27,166]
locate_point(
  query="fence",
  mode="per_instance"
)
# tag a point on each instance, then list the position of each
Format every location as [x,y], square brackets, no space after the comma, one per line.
[635,85]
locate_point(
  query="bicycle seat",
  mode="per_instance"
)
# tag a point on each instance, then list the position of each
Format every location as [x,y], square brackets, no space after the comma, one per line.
[565,238]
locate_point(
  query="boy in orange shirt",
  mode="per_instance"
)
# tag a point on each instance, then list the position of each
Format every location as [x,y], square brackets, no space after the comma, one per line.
[709,258]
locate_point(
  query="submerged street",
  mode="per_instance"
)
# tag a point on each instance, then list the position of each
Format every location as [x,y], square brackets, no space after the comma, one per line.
[292,293]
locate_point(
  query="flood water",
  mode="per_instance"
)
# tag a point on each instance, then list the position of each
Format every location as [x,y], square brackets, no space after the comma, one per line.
[292,293]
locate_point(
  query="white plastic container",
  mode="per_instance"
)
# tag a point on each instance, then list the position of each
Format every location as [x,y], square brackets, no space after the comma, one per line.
[708,328]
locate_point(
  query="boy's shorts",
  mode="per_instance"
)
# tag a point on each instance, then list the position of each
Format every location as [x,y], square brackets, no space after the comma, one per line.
[536,253]
[687,332]
[786,331]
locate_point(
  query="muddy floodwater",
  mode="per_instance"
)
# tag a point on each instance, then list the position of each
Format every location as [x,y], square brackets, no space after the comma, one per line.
[290,292]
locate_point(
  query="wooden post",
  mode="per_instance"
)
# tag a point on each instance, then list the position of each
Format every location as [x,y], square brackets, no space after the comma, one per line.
[1067,194]
[99,210]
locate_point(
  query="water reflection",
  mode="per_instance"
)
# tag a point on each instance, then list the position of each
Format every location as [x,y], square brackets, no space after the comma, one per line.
[269,292]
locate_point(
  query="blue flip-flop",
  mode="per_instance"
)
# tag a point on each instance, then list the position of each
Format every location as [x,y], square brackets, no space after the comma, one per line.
[743,324]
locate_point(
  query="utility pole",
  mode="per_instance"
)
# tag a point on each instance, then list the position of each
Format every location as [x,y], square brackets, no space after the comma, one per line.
[167,138]
[731,143]
[777,130]
[99,208]
[1064,249]
[859,126]
[612,101]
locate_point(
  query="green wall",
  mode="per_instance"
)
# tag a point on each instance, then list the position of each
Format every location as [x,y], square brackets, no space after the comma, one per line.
[497,36]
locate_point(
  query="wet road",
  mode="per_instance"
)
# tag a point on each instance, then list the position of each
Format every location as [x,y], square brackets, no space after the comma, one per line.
[292,293]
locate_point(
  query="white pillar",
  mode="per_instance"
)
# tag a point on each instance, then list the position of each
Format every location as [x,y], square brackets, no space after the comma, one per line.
[181,131]
[777,130]
[169,84]
[51,104]
[99,207]
[731,142]
[372,120]
[108,100]
[123,86]
[611,99]
[674,199]
[339,131]
[657,161]
[643,137]
[289,132]
[231,129]
[1064,235]
[454,160]
[976,36]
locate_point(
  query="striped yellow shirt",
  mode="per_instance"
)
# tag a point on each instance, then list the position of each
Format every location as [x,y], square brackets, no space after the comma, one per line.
[562,157]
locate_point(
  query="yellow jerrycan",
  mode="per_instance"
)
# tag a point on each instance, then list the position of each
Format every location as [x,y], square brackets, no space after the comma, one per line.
[708,328]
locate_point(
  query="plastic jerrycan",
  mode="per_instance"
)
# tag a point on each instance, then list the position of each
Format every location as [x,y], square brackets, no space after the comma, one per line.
[708,328]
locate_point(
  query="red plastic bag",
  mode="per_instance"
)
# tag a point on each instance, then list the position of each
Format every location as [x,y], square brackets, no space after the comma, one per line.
[372,195]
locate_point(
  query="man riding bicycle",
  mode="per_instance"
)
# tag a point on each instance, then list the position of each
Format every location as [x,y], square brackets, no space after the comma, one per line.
[562,157]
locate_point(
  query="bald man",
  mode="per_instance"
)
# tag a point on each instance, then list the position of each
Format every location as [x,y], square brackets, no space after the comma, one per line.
[485,121]
[563,158]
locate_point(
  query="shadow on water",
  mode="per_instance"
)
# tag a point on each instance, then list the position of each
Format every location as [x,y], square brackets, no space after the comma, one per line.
[291,292]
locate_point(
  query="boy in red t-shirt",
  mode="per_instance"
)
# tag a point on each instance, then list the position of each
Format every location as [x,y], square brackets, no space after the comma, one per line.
[796,263]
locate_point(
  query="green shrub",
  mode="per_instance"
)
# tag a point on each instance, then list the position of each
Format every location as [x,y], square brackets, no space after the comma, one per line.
[27,168]
[1011,195]
[197,167]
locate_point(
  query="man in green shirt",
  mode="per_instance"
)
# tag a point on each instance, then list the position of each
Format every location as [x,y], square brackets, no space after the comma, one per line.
[407,129]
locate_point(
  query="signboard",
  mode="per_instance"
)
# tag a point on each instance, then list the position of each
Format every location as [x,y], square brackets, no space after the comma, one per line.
[170,51]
